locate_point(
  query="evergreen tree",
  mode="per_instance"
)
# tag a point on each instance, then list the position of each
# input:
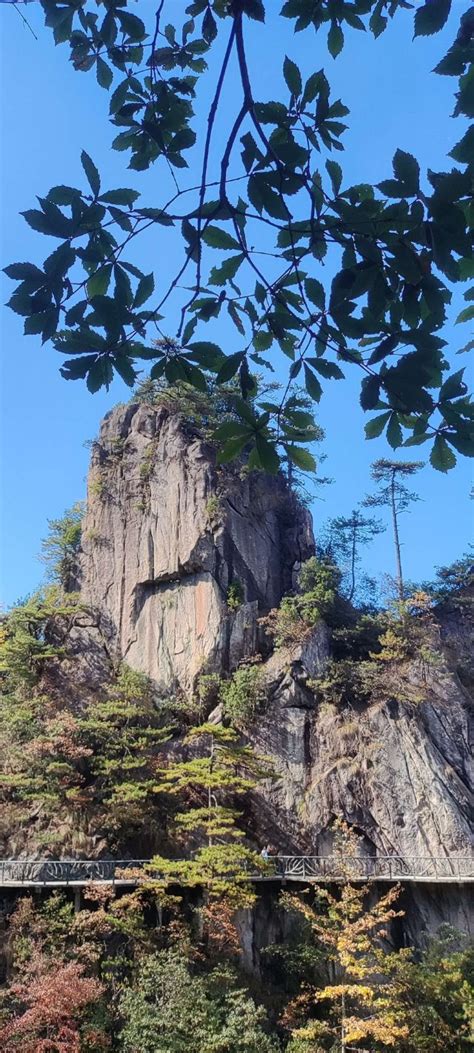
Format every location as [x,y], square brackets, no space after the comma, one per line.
[218,771]
[60,549]
[347,535]
[393,493]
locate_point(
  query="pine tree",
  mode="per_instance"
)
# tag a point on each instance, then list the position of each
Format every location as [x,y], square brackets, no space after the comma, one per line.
[60,549]
[390,476]
[218,771]
[347,534]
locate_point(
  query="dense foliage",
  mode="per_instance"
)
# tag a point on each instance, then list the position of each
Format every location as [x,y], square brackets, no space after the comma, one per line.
[270,205]
[107,978]
[157,969]
[94,763]
[60,549]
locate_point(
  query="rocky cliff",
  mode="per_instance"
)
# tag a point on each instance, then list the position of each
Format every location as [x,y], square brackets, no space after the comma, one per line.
[166,535]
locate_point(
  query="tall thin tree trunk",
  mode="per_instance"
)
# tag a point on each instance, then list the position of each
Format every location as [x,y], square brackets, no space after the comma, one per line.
[396,538]
[209,790]
[353,559]
[343,1022]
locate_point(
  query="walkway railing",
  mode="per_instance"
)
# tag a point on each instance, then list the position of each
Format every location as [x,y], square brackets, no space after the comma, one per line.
[58,872]
[362,868]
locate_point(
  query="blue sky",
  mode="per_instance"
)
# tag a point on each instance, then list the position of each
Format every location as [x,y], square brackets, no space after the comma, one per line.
[48,114]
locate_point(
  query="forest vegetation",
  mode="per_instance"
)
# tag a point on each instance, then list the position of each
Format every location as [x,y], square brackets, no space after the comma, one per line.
[127,770]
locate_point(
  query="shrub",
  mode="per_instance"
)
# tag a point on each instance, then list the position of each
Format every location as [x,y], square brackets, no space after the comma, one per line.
[146,466]
[348,682]
[243,695]
[98,487]
[235,595]
[213,510]
[317,599]
[208,688]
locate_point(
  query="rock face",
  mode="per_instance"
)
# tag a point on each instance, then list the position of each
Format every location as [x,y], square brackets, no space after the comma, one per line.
[399,772]
[165,535]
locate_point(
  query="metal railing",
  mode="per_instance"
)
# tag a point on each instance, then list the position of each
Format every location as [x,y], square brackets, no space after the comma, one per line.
[69,871]
[58,872]
[415,868]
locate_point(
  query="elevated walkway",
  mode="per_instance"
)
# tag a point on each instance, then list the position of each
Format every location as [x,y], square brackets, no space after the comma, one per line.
[59,873]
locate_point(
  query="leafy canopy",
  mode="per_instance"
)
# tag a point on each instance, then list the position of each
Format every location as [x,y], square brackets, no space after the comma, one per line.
[270,205]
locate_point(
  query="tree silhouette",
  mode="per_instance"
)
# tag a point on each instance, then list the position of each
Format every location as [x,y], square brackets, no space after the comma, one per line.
[267,197]
[347,535]
[393,493]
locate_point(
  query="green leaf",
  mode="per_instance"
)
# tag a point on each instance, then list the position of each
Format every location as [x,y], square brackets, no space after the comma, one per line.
[104,73]
[441,457]
[467,347]
[230,367]
[231,449]
[302,458]
[122,196]
[77,368]
[370,392]
[466,314]
[378,22]
[217,238]
[313,87]
[132,26]
[391,188]
[145,288]
[464,149]
[453,387]
[394,432]
[271,112]
[335,40]
[45,225]
[431,17]
[124,367]
[335,175]
[407,170]
[292,77]
[209,28]
[210,356]
[262,340]
[315,292]
[232,429]
[22,271]
[92,174]
[227,270]
[267,454]
[326,369]
[464,444]
[375,427]
[100,375]
[313,387]
[46,323]
[63,195]
[123,287]
[387,345]
[99,282]
[416,440]
[466,268]
[117,99]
